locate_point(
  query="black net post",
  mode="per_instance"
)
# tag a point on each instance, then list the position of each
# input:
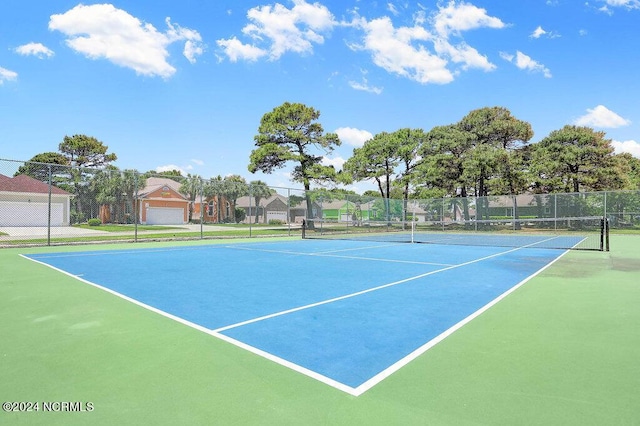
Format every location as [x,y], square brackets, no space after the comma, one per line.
[604,234]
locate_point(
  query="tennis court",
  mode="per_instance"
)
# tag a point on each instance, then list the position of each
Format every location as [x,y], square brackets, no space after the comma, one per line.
[325,331]
[346,312]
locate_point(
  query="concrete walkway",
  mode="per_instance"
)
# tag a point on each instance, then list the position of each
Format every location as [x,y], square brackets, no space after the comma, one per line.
[33,232]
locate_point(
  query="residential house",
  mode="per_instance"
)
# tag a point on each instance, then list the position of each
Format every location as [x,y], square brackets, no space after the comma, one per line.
[24,201]
[216,209]
[161,203]
[269,209]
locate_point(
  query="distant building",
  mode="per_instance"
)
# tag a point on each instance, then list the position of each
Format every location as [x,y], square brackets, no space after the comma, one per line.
[24,201]
[161,203]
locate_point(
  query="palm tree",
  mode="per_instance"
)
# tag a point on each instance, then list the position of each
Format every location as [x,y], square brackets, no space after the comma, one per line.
[259,190]
[234,187]
[191,188]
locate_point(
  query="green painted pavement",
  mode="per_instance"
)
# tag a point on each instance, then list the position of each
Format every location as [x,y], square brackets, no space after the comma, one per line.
[562,349]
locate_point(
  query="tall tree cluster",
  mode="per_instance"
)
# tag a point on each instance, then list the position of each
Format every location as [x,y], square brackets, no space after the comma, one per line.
[72,168]
[488,152]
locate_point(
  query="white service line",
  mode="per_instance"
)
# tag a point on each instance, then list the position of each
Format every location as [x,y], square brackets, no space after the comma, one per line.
[310,373]
[326,254]
[358,293]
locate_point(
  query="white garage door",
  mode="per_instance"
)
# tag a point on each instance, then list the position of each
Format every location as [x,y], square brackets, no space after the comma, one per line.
[276,215]
[165,216]
[14,213]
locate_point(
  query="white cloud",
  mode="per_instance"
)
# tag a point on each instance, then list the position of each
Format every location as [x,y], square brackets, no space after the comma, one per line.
[170,167]
[365,87]
[458,17]
[335,162]
[628,4]
[281,30]
[102,31]
[7,75]
[525,62]
[395,51]
[392,8]
[197,162]
[539,32]
[35,49]
[425,52]
[602,117]
[236,50]
[631,146]
[192,49]
[463,54]
[406,51]
[352,136]
[507,56]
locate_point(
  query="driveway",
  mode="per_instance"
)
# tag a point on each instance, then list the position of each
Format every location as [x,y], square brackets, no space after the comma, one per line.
[41,231]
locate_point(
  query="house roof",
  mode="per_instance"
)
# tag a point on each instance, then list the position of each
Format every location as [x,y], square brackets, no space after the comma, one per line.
[244,202]
[155,183]
[27,184]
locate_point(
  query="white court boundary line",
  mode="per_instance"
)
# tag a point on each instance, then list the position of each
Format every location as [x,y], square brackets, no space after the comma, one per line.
[431,343]
[361,292]
[298,368]
[328,254]
[357,391]
[117,252]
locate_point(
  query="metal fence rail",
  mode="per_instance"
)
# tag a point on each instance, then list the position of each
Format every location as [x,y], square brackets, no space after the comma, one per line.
[45,204]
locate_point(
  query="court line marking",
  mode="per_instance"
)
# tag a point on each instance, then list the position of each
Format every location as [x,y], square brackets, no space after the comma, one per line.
[295,367]
[118,252]
[358,248]
[298,368]
[359,293]
[323,254]
[359,390]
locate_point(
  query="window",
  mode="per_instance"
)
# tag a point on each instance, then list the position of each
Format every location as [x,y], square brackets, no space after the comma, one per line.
[211,208]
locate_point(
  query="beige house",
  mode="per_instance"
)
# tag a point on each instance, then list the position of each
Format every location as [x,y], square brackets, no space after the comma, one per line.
[24,201]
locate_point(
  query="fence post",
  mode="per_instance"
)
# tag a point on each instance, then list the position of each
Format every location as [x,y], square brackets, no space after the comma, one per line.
[201,190]
[514,206]
[49,209]
[555,212]
[135,206]
[288,212]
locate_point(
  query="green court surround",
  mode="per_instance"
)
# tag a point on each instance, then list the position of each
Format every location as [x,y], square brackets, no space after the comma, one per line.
[563,349]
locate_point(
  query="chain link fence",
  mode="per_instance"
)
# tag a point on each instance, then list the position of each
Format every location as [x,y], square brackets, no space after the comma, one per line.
[622,208]
[45,204]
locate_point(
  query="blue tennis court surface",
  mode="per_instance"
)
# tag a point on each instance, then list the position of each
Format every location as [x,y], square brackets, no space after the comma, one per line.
[348,313]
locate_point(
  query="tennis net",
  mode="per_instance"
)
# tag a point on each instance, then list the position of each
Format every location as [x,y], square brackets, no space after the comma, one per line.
[576,233]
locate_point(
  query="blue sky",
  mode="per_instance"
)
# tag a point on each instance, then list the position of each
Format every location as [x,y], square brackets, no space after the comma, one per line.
[183,84]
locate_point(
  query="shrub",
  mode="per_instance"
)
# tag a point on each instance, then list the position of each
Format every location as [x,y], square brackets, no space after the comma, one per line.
[95,222]
[77,217]
[275,222]
[240,215]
